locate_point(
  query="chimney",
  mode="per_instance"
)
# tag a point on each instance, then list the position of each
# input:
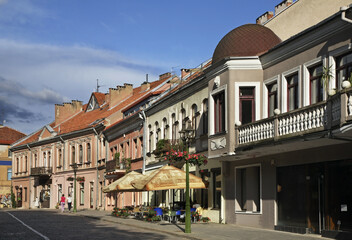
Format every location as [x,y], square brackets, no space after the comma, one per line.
[165,76]
[281,6]
[120,93]
[66,110]
[145,86]
[264,18]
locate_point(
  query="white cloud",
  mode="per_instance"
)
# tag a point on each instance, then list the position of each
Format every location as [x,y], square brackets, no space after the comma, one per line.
[36,76]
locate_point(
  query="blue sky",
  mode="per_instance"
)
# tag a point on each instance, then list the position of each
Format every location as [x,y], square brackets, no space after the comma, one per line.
[53,51]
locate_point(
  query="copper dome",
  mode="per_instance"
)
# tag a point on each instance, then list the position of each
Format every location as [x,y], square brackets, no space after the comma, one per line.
[246,40]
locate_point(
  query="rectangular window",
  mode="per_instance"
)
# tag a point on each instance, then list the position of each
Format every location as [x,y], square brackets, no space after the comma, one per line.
[25,194]
[343,68]
[135,147]
[316,87]
[59,192]
[205,117]
[272,98]
[248,189]
[9,174]
[217,188]
[81,193]
[219,112]
[292,92]
[247,107]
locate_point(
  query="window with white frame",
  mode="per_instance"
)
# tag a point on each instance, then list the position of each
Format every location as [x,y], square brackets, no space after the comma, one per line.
[316,87]
[292,92]
[248,189]
[73,155]
[25,164]
[35,160]
[194,118]
[272,98]
[157,132]
[343,68]
[165,128]
[44,160]
[205,117]
[219,112]
[81,193]
[89,153]
[247,105]
[183,118]
[9,174]
[80,154]
[174,127]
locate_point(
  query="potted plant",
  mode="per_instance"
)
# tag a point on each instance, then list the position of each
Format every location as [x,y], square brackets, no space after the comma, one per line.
[326,77]
[205,219]
[346,83]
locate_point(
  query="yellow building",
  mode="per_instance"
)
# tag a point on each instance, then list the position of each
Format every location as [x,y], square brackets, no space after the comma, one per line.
[7,137]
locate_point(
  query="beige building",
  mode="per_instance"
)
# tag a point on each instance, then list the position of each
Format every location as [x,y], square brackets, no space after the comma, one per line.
[291,17]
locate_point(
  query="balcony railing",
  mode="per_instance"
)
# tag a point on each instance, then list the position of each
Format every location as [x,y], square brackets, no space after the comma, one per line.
[334,112]
[112,165]
[40,171]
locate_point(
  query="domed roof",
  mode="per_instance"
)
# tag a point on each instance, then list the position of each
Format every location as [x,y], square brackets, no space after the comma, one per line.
[246,40]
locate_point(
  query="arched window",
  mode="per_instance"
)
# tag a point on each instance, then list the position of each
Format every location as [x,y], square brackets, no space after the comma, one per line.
[89,154]
[205,117]
[194,118]
[73,155]
[80,154]
[44,159]
[165,127]
[174,126]
[157,132]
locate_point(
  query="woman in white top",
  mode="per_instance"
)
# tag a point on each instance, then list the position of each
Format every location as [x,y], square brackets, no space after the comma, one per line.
[69,202]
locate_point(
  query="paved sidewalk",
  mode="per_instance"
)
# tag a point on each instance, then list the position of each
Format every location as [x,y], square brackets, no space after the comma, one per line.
[200,230]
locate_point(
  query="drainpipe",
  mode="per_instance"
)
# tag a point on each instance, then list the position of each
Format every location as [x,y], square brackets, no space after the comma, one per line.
[143,117]
[343,13]
[96,184]
[104,179]
[29,182]
[64,153]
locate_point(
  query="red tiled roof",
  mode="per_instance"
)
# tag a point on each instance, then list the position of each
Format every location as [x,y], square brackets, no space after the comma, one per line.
[9,135]
[84,120]
[100,97]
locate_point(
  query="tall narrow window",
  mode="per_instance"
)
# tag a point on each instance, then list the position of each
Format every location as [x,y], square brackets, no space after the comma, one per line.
[183,118]
[44,160]
[60,157]
[316,87]
[194,118]
[292,92]
[165,127]
[35,160]
[157,132]
[248,189]
[217,188]
[25,164]
[80,154]
[205,117]
[272,98]
[150,141]
[174,126]
[219,112]
[59,192]
[343,68]
[49,159]
[81,193]
[9,174]
[17,165]
[89,153]
[73,155]
[247,105]
[135,148]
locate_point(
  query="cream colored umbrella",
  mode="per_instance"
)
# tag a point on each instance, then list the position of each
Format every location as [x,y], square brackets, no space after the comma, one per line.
[123,184]
[167,177]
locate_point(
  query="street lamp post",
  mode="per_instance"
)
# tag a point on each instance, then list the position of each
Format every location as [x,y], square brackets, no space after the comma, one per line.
[75,167]
[187,136]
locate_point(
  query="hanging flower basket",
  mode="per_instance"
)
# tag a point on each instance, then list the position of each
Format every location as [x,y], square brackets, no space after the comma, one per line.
[178,158]
[80,179]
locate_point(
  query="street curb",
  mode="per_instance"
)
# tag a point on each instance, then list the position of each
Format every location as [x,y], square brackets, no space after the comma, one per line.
[145,228]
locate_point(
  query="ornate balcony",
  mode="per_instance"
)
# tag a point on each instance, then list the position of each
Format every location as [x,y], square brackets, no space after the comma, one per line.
[327,115]
[41,171]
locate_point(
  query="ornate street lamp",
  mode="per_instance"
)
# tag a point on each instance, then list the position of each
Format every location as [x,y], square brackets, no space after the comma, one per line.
[186,135]
[75,167]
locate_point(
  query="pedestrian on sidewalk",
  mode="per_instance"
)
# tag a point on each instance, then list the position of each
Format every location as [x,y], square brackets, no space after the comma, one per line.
[63,199]
[69,202]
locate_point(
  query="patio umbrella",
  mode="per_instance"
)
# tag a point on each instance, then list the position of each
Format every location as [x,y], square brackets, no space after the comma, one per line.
[167,177]
[123,184]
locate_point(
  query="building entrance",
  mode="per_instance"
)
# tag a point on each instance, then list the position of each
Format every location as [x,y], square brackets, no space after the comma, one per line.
[315,197]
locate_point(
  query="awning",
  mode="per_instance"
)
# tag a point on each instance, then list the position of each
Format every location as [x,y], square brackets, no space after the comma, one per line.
[167,177]
[123,184]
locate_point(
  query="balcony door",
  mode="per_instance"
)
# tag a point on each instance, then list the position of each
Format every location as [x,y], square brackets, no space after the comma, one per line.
[247,105]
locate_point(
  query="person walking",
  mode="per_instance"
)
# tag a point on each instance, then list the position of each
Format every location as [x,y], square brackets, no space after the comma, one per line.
[69,202]
[63,199]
